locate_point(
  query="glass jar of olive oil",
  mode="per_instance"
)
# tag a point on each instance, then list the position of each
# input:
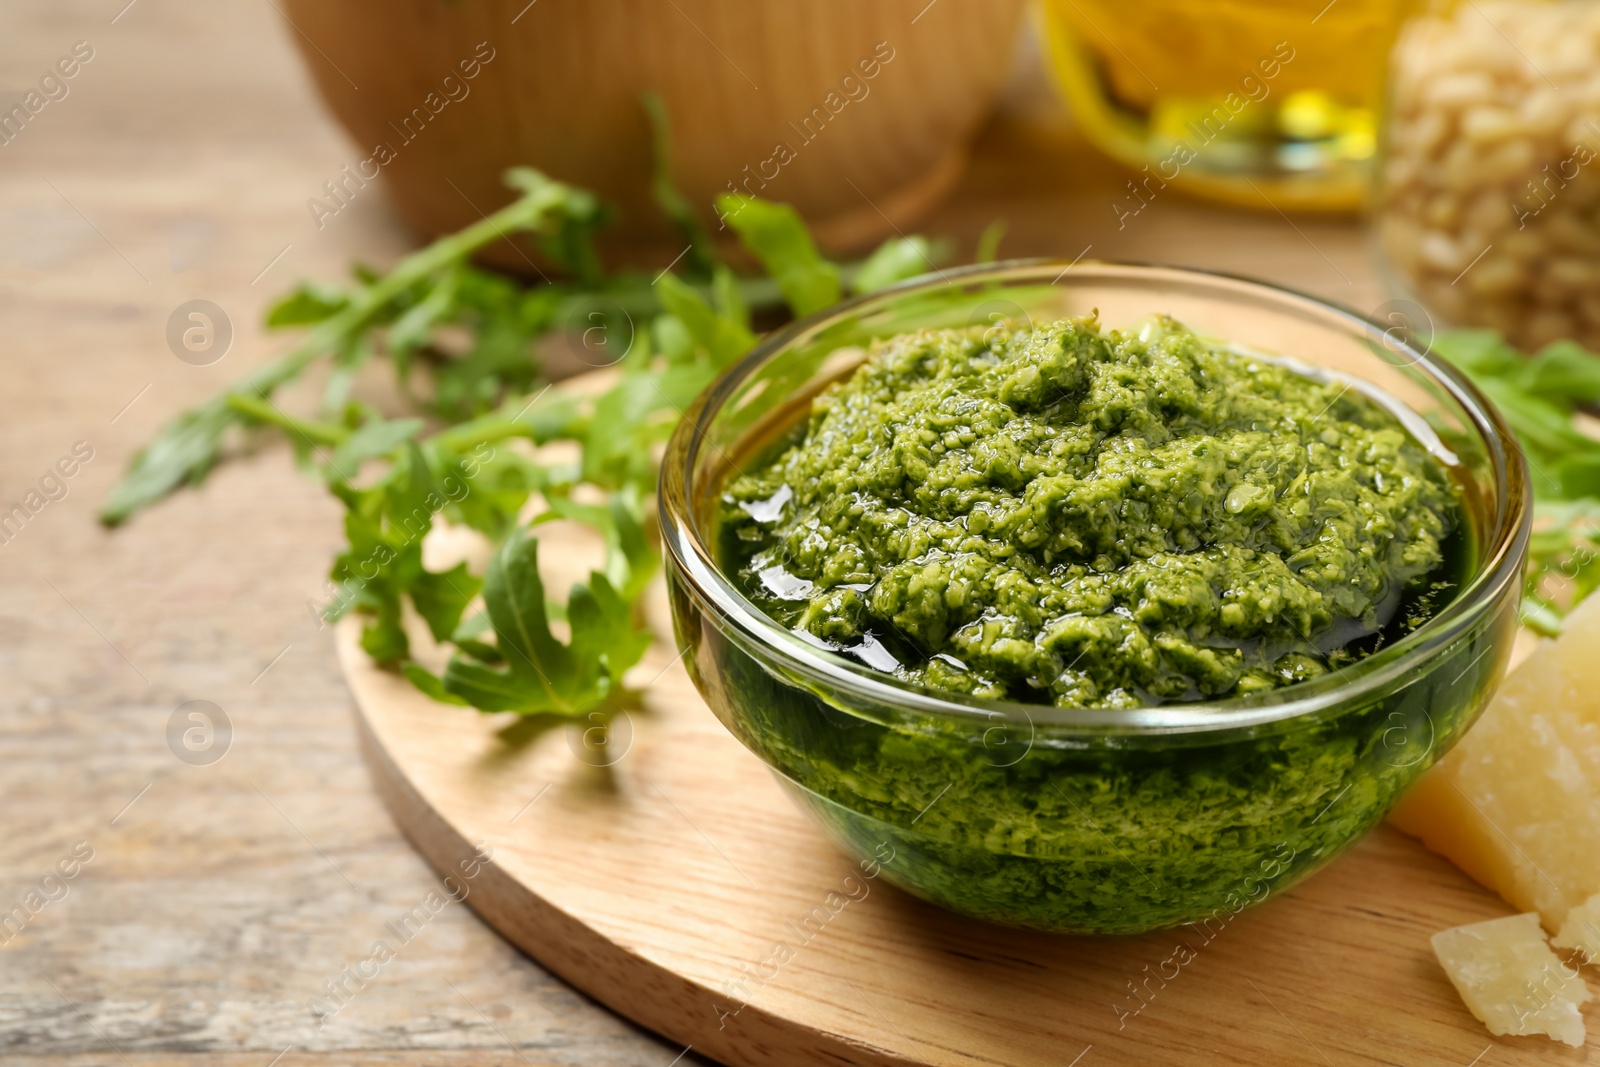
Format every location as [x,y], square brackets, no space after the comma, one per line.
[1258,102]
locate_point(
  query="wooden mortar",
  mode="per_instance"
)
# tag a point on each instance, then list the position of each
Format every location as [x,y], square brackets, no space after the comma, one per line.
[857,114]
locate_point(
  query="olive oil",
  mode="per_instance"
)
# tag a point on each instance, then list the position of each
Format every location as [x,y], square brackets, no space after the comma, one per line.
[1264,103]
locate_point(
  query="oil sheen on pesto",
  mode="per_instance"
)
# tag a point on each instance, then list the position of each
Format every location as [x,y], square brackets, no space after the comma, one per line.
[1091,518]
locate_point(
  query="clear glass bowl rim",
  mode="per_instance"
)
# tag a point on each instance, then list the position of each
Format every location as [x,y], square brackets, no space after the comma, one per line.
[1502,560]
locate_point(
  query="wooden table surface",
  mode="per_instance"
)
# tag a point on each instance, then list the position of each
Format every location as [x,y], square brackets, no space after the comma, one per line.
[219,898]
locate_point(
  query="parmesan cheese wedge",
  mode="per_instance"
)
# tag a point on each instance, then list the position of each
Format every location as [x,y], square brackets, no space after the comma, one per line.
[1581,931]
[1511,980]
[1516,804]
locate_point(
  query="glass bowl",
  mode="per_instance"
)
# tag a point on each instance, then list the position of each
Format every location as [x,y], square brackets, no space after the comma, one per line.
[1074,819]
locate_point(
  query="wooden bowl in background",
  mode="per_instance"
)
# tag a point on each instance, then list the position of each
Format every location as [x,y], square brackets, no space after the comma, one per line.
[558,83]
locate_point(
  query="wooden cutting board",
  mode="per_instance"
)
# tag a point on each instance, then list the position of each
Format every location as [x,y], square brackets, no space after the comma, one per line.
[668,876]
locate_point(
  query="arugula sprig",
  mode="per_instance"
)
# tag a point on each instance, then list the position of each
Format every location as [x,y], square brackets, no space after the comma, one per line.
[186,449]
[528,669]
[462,344]
[508,658]
[1542,397]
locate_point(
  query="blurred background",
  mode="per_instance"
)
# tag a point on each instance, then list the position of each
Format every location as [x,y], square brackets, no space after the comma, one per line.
[1430,165]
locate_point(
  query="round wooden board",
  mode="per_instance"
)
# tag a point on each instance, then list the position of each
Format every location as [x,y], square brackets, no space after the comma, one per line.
[674,886]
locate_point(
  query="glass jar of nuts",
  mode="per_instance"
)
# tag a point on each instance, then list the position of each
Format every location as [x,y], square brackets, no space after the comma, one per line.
[1488,202]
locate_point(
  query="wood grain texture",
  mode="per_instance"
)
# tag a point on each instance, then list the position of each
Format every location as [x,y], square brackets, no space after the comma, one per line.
[216,906]
[671,883]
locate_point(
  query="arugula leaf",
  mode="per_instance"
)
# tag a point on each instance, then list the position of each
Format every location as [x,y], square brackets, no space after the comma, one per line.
[1539,397]
[184,453]
[894,261]
[631,558]
[376,437]
[490,486]
[381,565]
[306,303]
[1563,373]
[531,671]
[410,331]
[1482,354]
[778,238]
[430,684]
[729,301]
[567,236]
[988,249]
[702,253]
[441,597]
[188,448]
[724,338]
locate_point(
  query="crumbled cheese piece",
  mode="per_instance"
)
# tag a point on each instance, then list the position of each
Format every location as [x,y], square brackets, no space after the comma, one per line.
[1516,804]
[1511,980]
[1581,931]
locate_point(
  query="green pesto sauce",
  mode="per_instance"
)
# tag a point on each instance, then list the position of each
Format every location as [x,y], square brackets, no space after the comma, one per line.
[1087,518]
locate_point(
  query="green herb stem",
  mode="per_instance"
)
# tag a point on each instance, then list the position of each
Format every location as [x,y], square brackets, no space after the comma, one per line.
[187,448]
